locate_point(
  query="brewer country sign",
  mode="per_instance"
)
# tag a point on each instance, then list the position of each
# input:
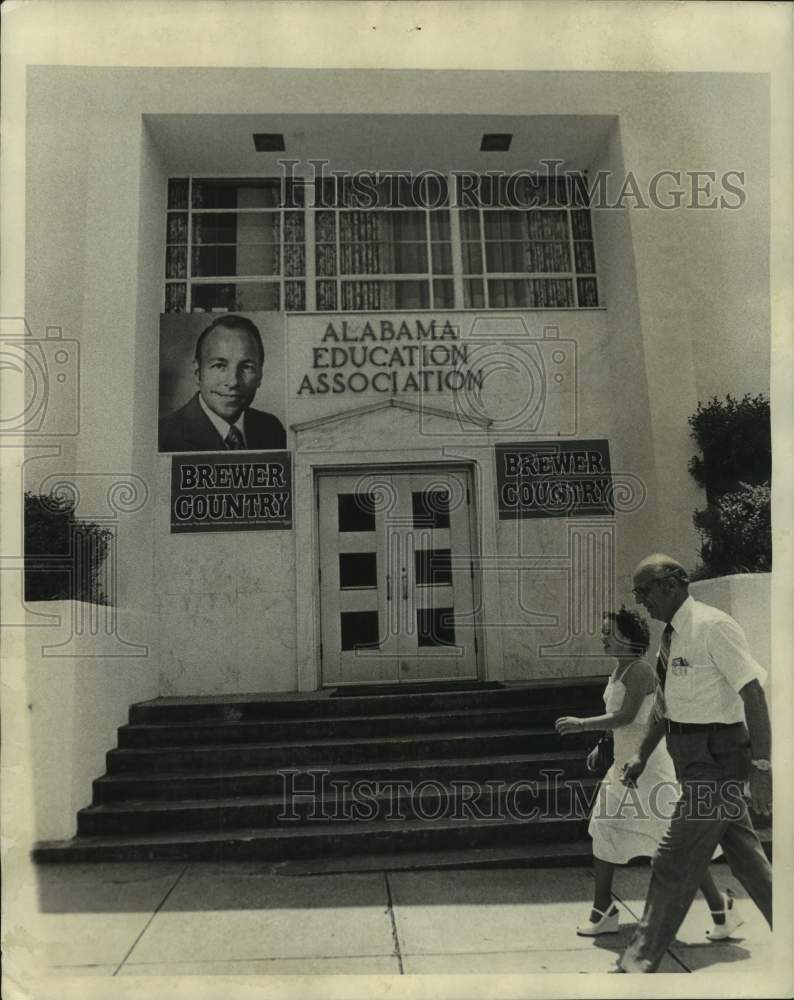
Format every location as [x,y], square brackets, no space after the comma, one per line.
[229,491]
[554,479]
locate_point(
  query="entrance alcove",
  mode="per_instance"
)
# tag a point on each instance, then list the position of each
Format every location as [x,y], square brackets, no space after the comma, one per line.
[392,438]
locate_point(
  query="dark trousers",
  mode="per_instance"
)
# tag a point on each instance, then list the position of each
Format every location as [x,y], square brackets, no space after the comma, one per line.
[712,768]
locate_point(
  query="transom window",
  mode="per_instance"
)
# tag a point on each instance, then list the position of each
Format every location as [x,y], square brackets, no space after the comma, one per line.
[365,243]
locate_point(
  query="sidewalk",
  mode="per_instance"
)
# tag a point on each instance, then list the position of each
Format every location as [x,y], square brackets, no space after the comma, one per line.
[246,919]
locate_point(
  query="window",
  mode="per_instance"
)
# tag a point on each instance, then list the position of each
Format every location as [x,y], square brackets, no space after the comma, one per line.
[358,570]
[435,626]
[527,243]
[360,630]
[377,247]
[235,244]
[363,243]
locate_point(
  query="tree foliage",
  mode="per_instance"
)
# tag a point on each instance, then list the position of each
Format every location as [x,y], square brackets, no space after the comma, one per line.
[734,437]
[735,468]
[736,532]
[63,555]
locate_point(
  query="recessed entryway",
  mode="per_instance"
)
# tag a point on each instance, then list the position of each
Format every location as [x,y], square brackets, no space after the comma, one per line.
[397,587]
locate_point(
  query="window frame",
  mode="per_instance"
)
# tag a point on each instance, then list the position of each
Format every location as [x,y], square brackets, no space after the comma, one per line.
[310,278]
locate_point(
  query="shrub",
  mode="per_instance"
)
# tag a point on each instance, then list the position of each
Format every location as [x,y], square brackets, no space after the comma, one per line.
[734,436]
[63,555]
[736,532]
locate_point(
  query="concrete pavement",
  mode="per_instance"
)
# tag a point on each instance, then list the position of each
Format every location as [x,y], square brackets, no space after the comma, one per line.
[246,919]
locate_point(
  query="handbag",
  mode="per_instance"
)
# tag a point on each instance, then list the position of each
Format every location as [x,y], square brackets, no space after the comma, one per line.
[605,754]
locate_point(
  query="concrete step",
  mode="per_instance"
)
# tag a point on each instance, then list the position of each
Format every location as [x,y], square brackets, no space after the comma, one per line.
[411,687]
[336,839]
[520,855]
[303,754]
[430,801]
[228,782]
[213,732]
[238,708]
[269,778]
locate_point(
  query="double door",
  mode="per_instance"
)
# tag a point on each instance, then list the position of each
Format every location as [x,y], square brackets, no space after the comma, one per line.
[397,584]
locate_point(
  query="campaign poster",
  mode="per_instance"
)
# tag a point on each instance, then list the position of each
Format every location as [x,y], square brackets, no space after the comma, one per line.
[230,491]
[221,382]
[554,479]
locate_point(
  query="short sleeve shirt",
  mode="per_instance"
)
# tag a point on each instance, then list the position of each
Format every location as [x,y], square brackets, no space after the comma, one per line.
[709,663]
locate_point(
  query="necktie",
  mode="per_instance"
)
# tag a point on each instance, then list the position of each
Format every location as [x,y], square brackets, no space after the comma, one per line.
[664,654]
[234,439]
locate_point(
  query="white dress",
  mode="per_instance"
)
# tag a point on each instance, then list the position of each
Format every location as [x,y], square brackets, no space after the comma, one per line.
[626,822]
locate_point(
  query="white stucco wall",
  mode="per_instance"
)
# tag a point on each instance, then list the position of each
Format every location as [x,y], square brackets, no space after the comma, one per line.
[226,600]
[675,283]
[747,597]
[69,677]
[95,249]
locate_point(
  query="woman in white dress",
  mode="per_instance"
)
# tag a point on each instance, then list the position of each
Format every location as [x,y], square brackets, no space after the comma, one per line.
[626,822]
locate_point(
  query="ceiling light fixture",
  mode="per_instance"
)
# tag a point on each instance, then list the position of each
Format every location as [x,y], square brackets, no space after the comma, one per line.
[269,142]
[496,142]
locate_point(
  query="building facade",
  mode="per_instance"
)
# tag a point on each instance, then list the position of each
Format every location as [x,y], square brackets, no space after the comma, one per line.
[485,385]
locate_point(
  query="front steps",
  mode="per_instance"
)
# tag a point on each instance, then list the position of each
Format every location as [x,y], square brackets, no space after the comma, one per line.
[279,778]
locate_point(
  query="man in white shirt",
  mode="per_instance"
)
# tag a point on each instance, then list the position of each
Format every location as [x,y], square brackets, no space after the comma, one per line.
[710,687]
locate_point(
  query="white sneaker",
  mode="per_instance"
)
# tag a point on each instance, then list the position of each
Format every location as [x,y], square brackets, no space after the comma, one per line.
[607,924]
[733,920]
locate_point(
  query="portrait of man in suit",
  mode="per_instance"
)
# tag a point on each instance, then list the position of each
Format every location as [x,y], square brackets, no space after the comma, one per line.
[228,366]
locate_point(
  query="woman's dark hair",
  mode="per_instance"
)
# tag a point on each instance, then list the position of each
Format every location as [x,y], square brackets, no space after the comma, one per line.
[633,628]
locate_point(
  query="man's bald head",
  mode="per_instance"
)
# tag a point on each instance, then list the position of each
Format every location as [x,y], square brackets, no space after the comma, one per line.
[659,565]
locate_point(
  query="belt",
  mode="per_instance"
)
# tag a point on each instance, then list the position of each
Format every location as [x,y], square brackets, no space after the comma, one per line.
[698,727]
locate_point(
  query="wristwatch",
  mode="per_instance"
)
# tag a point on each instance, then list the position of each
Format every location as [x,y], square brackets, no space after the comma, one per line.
[762,764]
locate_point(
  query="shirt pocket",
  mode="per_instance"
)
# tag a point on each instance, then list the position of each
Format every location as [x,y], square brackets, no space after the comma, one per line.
[682,670]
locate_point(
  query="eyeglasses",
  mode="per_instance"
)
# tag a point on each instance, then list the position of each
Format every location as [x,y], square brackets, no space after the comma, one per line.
[640,592]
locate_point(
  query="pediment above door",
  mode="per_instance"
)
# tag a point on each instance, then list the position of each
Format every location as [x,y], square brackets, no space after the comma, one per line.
[391,425]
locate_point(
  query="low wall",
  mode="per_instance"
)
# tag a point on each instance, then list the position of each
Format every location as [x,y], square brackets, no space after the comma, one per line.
[747,597]
[70,674]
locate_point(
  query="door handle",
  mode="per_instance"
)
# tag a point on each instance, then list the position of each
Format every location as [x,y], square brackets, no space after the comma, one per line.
[388,586]
[405,585]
